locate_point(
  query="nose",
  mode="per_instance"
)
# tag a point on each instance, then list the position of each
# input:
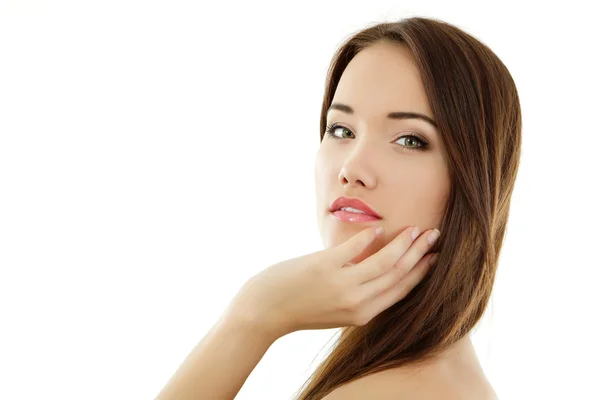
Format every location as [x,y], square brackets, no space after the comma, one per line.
[356,175]
[358,162]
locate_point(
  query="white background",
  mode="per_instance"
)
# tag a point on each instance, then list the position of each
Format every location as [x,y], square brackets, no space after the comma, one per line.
[155,155]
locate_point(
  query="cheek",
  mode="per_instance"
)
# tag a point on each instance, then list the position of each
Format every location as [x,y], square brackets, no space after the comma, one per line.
[321,179]
[420,196]
[323,172]
[317,167]
[318,173]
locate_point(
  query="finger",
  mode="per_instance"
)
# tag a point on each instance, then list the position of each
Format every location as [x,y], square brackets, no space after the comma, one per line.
[416,251]
[397,292]
[399,269]
[382,261]
[354,246]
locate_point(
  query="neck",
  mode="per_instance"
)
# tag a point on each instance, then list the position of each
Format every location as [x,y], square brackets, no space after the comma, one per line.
[461,354]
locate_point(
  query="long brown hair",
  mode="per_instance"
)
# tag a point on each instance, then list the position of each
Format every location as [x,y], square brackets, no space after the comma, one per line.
[475,103]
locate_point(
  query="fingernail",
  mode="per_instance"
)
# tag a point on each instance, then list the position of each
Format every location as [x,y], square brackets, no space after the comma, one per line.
[432,259]
[415,232]
[378,231]
[433,236]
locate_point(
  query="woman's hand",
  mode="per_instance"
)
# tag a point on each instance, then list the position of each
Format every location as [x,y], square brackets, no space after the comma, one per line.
[322,290]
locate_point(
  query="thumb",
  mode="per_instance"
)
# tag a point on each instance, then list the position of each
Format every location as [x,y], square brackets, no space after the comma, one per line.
[354,246]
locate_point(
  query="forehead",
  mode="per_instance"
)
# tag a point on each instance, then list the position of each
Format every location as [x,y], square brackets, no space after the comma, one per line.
[380,79]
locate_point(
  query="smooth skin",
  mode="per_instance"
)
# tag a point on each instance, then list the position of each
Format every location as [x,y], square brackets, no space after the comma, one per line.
[400,168]
[358,275]
[320,290]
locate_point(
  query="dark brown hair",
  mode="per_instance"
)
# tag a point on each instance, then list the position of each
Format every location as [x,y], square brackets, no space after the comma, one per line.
[475,103]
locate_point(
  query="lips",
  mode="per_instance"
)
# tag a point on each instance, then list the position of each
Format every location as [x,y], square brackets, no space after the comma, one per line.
[354,203]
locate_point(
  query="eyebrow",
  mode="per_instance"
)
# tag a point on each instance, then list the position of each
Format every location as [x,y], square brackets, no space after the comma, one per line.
[393,115]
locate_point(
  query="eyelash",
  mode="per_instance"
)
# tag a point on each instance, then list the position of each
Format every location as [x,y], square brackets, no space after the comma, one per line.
[330,128]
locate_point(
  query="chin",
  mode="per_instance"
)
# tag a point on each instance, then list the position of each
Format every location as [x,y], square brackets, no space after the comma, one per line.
[336,238]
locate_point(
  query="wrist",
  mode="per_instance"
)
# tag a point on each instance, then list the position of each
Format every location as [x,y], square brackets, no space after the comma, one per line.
[247,323]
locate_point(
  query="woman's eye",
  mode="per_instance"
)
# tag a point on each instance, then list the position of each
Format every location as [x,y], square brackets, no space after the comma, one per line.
[332,129]
[408,142]
[412,141]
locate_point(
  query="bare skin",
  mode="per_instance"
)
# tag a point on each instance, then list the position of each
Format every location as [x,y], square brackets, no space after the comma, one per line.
[319,290]
[457,374]
[379,160]
[360,272]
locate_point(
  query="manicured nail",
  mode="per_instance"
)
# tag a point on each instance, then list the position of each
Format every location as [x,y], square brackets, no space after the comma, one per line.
[433,236]
[415,232]
[378,231]
[432,259]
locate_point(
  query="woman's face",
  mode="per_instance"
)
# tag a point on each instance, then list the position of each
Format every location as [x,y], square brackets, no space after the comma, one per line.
[372,158]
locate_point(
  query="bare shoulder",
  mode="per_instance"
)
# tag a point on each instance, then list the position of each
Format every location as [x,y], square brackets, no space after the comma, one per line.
[398,383]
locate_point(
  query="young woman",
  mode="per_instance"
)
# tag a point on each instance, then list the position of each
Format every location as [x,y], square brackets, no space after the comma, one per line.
[420,136]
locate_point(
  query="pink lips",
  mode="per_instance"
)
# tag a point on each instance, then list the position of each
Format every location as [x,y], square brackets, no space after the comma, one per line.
[353,217]
[369,213]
